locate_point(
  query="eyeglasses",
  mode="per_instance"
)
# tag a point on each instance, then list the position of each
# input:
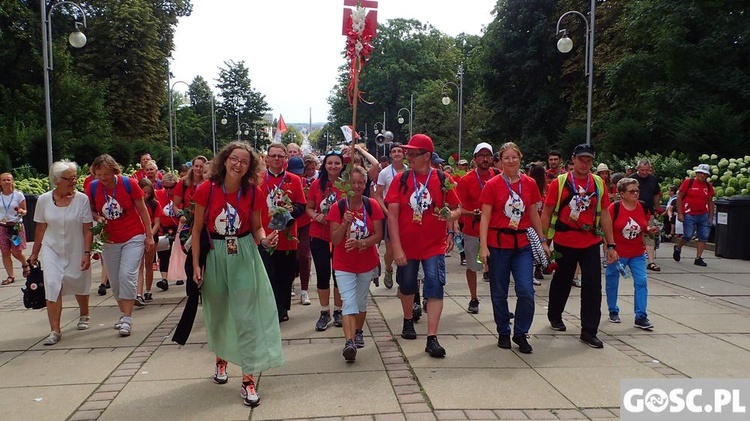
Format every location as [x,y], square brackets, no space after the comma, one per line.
[169,187]
[632,191]
[510,158]
[276,156]
[481,157]
[234,161]
[418,152]
[69,179]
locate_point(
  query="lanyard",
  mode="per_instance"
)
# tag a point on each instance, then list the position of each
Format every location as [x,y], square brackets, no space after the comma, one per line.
[393,172]
[12,195]
[109,200]
[364,214]
[515,196]
[481,183]
[576,196]
[268,182]
[417,191]
[230,217]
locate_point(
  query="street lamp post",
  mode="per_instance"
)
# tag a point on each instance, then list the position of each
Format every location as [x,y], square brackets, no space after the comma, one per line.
[213,119]
[327,144]
[247,128]
[460,97]
[411,112]
[565,44]
[173,122]
[76,39]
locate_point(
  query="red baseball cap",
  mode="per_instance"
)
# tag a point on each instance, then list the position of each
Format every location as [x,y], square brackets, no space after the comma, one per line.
[420,141]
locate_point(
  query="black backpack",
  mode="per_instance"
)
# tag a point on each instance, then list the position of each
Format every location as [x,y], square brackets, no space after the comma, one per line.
[617,209]
[405,178]
[365,202]
[33,294]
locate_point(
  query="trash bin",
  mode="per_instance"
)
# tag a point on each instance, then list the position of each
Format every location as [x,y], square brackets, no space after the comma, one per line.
[28,220]
[733,227]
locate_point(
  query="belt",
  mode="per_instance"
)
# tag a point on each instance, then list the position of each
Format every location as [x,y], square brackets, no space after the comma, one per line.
[215,236]
[510,231]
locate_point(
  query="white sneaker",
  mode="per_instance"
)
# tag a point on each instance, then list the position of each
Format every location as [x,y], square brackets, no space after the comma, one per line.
[84,322]
[304,299]
[576,282]
[53,338]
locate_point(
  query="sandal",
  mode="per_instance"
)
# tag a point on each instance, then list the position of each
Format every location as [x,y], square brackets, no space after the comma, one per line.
[9,280]
[26,270]
[653,266]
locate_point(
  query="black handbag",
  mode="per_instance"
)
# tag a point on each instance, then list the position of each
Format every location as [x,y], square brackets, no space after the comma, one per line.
[33,294]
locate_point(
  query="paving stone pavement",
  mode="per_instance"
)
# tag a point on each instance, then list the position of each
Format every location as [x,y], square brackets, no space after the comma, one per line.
[702,329]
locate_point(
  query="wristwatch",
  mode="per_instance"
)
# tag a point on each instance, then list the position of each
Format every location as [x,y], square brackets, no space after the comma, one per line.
[611,246]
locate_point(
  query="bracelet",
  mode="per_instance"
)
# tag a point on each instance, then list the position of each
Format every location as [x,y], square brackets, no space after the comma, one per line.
[610,246]
[452,232]
[261,242]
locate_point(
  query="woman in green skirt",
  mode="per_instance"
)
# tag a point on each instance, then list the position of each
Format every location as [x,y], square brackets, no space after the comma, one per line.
[242,323]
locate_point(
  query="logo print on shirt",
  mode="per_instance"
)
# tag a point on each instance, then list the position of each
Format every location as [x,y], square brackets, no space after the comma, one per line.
[358,230]
[327,202]
[581,201]
[221,223]
[514,207]
[631,230]
[425,200]
[168,210]
[112,209]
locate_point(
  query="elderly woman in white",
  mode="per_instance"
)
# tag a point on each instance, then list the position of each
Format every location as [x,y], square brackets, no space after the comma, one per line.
[63,235]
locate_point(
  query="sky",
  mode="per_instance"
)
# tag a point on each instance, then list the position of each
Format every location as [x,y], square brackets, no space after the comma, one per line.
[292,48]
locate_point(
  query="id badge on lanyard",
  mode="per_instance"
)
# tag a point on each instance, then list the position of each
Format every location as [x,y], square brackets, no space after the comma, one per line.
[417,215]
[231,240]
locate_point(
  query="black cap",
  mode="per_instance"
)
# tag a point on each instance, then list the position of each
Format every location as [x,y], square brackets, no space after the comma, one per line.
[584,150]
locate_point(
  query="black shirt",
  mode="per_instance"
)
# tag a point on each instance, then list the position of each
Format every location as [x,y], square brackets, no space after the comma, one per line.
[649,187]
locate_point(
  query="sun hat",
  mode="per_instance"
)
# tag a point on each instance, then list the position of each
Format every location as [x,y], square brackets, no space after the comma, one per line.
[704,168]
[602,167]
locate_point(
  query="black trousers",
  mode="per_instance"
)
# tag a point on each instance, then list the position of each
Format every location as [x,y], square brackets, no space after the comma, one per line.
[281,267]
[591,285]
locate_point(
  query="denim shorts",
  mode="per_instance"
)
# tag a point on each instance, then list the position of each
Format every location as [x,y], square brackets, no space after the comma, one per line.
[434,277]
[699,224]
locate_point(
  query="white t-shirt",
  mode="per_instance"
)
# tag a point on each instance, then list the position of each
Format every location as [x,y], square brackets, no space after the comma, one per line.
[385,177]
[8,204]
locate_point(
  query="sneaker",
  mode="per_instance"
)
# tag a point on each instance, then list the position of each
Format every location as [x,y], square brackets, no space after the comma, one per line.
[591,340]
[323,321]
[294,293]
[676,254]
[304,298]
[84,322]
[463,262]
[408,331]
[180,282]
[359,338]
[139,301]
[699,262]
[388,279]
[102,290]
[486,276]
[376,281]
[473,306]
[221,375]
[511,315]
[433,348]
[119,323]
[250,396]
[163,285]
[350,351]
[108,284]
[52,339]
[148,296]
[338,318]
[576,282]
[416,312]
[558,325]
[614,317]
[538,273]
[503,342]
[643,323]
[521,340]
[537,282]
[125,328]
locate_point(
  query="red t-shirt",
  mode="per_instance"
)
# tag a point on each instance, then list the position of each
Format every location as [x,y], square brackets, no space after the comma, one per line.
[695,201]
[155,212]
[169,218]
[585,201]
[141,174]
[87,182]
[229,214]
[468,191]
[323,202]
[118,208]
[552,173]
[273,189]
[186,193]
[303,219]
[363,226]
[425,240]
[497,195]
[629,228]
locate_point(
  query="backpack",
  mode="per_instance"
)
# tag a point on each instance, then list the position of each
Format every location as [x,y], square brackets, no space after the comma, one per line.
[617,210]
[365,202]
[598,183]
[405,178]
[94,184]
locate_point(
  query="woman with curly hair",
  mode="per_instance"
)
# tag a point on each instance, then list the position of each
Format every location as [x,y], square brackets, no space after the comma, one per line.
[242,323]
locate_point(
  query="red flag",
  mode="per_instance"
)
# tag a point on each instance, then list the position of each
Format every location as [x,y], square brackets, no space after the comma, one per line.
[280,129]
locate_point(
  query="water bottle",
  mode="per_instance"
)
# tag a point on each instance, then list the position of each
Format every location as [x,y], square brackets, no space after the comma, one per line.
[623,270]
[459,242]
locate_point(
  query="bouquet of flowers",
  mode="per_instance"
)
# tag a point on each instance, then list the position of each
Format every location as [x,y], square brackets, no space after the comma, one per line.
[444,212]
[100,237]
[280,212]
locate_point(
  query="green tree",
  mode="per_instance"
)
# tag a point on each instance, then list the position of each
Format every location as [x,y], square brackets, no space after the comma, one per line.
[238,97]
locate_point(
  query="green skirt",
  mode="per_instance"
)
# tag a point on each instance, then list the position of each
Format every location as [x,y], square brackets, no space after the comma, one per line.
[242,323]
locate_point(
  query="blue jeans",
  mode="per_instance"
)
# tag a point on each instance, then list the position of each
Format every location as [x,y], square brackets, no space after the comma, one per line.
[696,223]
[434,277]
[521,263]
[637,266]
